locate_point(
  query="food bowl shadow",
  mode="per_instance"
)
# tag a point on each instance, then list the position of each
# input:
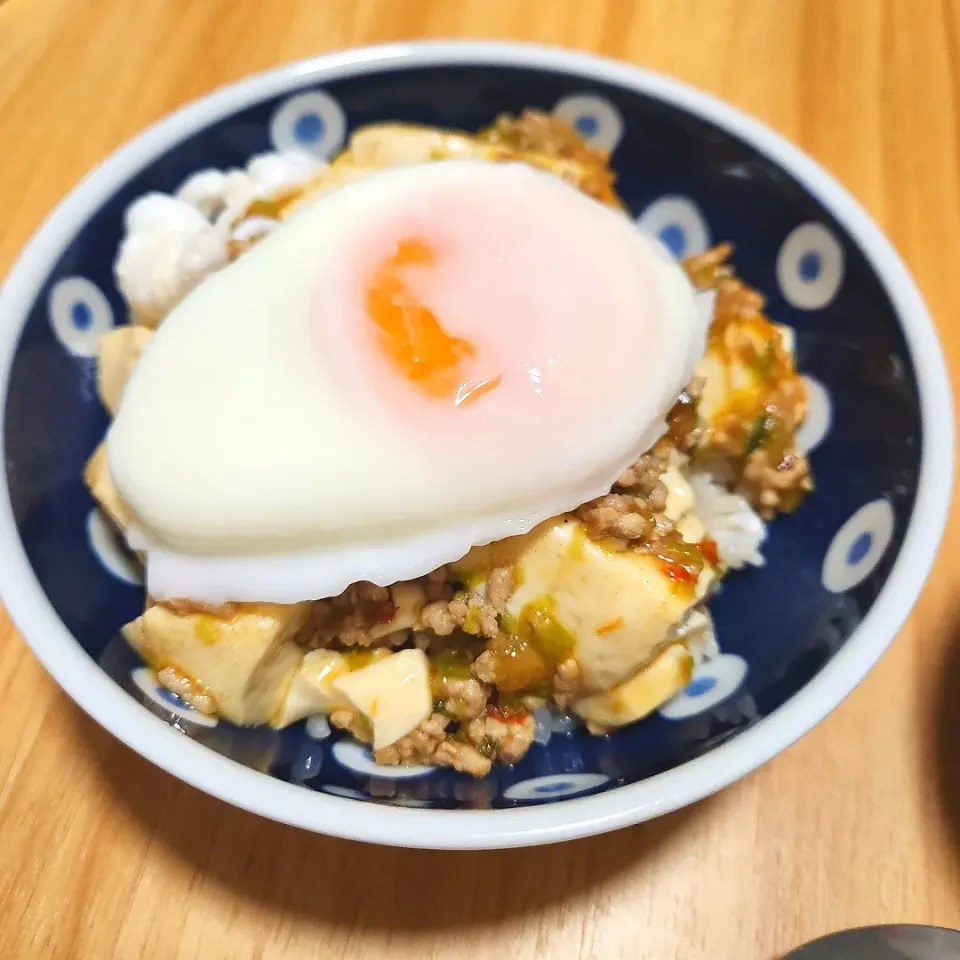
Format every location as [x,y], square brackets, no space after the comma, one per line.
[946,703]
[343,884]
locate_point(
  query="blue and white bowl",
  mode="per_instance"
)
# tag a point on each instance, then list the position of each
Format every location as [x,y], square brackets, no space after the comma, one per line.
[797,635]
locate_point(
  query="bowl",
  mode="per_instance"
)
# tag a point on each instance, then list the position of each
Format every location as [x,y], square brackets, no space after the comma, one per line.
[797,635]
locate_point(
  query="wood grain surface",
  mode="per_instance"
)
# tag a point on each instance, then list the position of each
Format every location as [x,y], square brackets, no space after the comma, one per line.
[101,855]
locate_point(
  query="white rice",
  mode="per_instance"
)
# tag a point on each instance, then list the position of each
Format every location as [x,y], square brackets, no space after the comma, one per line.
[563,721]
[541,719]
[699,636]
[730,521]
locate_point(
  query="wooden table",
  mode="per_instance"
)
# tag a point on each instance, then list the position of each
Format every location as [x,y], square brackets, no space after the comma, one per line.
[101,855]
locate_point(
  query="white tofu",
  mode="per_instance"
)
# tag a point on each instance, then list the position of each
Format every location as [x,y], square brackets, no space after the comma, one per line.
[680,495]
[639,696]
[691,528]
[245,663]
[409,599]
[311,690]
[97,476]
[118,353]
[619,606]
[393,693]
[788,337]
[391,144]
[733,380]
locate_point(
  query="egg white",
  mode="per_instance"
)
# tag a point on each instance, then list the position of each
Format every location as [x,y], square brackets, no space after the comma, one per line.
[253,477]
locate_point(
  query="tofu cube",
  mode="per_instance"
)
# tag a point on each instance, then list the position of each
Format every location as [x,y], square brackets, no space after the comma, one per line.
[311,690]
[118,353]
[639,696]
[619,606]
[244,662]
[97,477]
[392,693]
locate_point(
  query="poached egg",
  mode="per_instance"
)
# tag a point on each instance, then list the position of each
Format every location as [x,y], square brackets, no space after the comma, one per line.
[431,358]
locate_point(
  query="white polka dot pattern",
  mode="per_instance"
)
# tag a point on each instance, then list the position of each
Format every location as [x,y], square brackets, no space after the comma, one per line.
[358,759]
[810,267]
[109,550]
[678,224]
[146,681]
[595,118]
[858,546]
[311,121]
[555,786]
[819,419]
[79,314]
[713,682]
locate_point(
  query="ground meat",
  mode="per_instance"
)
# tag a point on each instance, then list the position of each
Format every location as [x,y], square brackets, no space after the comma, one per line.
[188,690]
[500,583]
[482,617]
[790,400]
[534,131]
[354,723]
[544,140]
[437,618]
[419,745]
[467,611]
[350,617]
[430,744]
[708,269]
[685,429]
[773,489]
[752,449]
[504,740]
[485,667]
[463,757]
[463,699]
[643,478]
[645,473]
[620,515]
[436,585]
[566,681]
[736,300]
[361,616]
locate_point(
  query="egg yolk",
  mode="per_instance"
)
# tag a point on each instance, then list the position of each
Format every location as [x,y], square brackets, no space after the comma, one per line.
[412,337]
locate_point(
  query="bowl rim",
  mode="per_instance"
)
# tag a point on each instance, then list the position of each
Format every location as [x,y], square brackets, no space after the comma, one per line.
[100,697]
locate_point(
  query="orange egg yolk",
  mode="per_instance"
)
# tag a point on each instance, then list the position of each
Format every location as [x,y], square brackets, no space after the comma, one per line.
[412,337]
